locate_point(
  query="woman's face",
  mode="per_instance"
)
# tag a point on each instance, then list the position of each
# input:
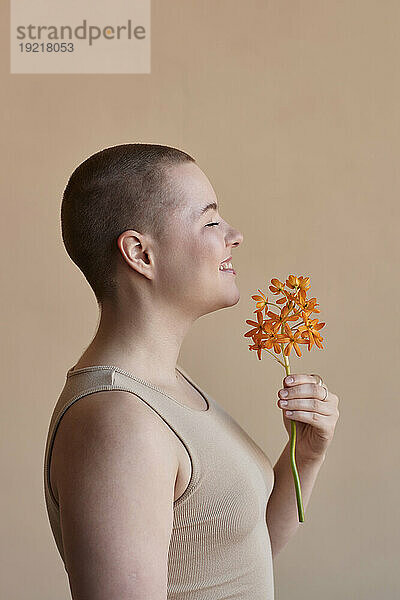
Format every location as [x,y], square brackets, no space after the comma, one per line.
[196,243]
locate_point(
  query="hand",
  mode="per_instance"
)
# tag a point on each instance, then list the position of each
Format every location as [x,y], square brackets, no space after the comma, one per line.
[315,417]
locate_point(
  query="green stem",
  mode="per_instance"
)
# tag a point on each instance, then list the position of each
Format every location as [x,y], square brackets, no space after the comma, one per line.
[296,478]
[276,358]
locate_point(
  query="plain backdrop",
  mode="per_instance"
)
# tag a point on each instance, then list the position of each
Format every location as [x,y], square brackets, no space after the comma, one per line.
[292,111]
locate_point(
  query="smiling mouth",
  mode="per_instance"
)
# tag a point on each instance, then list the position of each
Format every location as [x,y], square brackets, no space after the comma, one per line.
[226,267]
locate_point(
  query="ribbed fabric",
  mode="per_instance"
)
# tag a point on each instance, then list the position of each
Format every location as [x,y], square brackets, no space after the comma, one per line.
[220,547]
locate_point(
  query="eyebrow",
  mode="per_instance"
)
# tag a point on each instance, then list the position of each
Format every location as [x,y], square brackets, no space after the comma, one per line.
[211,206]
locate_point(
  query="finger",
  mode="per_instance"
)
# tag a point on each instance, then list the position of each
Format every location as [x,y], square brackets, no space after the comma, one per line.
[304,390]
[318,378]
[313,418]
[306,404]
[299,378]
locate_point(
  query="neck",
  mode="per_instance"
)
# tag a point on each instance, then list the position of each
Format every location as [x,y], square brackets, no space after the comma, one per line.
[143,340]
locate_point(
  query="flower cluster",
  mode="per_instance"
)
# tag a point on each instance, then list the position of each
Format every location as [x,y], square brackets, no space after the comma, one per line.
[280,328]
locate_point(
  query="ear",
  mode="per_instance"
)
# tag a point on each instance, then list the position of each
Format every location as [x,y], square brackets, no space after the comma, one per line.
[136,250]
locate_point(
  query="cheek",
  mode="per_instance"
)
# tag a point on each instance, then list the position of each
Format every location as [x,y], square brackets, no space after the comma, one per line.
[210,248]
[200,250]
[191,253]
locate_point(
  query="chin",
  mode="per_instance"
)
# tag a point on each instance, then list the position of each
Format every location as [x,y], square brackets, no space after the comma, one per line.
[232,299]
[225,302]
[236,300]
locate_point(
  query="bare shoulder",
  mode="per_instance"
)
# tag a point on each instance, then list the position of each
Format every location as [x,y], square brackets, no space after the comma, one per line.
[116,470]
[111,419]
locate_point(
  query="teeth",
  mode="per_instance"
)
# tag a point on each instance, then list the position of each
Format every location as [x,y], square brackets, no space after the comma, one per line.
[225,266]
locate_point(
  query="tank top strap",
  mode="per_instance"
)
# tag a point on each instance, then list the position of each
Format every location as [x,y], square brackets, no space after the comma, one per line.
[181,419]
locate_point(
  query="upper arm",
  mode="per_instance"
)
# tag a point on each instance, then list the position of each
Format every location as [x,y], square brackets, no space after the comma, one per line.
[115,487]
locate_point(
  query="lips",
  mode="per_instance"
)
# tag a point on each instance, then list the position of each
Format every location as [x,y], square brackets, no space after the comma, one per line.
[227,262]
[227,259]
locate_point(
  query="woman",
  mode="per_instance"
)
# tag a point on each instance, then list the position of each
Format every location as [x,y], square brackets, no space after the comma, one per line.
[153,490]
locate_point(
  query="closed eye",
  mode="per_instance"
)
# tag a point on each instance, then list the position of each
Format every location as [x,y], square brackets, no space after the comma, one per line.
[211,224]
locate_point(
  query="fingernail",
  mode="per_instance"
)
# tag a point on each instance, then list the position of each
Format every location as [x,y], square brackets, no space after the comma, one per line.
[283,402]
[284,393]
[289,379]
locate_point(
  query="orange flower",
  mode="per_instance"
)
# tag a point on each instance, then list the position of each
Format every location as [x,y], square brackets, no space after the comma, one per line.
[275,330]
[288,297]
[277,286]
[311,329]
[273,339]
[278,320]
[293,339]
[262,301]
[258,345]
[258,329]
[308,306]
[298,283]
[292,282]
[304,283]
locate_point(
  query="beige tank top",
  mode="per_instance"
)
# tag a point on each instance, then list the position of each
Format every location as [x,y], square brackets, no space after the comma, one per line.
[220,546]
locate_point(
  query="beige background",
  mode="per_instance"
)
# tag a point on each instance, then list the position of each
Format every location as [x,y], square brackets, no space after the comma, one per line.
[292,110]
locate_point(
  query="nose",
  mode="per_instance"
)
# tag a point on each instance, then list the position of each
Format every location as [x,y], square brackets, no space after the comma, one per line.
[238,237]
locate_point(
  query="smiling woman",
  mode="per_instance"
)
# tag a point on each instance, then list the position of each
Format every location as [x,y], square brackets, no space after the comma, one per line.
[140,478]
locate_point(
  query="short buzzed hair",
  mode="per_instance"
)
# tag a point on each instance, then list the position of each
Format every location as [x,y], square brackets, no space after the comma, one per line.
[119,188]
